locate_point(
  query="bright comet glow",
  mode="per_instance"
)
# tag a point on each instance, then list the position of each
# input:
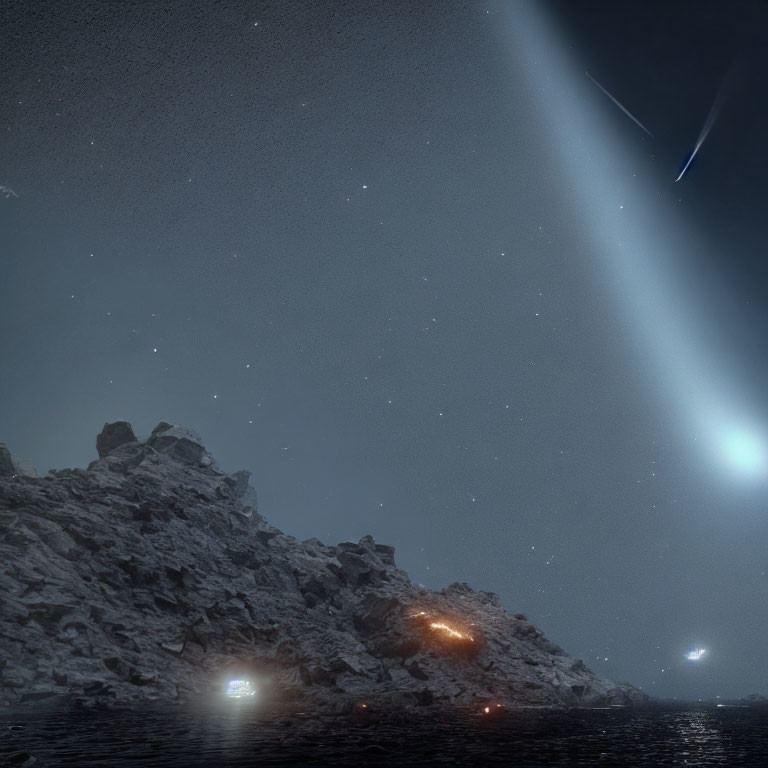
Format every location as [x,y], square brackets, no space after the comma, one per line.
[695,654]
[684,330]
[745,451]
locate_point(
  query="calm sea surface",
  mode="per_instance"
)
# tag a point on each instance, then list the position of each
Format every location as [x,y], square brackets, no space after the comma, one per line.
[241,736]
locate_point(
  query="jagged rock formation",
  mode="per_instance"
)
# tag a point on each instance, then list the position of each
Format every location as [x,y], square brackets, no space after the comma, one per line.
[113,436]
[6,462]
[151,576]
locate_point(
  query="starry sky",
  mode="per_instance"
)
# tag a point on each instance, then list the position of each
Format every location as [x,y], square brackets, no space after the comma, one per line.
[410,267]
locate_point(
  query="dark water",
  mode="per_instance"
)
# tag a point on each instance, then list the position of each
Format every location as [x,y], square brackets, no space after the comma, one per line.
[247,737]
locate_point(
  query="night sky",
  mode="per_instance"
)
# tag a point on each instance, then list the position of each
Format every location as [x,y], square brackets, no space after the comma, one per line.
[407,264]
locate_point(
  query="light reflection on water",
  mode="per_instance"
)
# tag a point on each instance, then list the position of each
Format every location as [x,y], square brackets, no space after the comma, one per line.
[699,735]
[247,736]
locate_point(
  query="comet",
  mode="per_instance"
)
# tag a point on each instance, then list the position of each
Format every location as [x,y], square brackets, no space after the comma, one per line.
[620,105]
[695,654]
[708,123]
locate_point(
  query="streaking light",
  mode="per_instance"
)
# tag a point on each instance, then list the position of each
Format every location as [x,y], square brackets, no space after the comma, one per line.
[685,327]
[695,654]
[710,121]
[619,105]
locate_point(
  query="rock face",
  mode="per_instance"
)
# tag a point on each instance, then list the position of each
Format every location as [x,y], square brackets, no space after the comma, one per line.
[151,576]
[6,463]
[114,435]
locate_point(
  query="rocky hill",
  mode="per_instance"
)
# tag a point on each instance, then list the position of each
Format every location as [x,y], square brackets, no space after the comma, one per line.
[150,576]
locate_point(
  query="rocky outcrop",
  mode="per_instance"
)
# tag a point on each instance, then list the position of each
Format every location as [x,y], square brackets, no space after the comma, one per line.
[152,576]
[114,435]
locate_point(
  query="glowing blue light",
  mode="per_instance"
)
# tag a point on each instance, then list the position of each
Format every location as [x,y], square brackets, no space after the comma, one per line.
[695,654]
[745,451]
[683,327]
[238,689]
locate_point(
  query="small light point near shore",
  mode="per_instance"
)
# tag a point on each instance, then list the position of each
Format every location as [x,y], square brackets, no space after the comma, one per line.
[239,689]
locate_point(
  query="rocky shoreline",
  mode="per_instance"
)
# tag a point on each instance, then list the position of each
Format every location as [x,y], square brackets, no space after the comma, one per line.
[151,577]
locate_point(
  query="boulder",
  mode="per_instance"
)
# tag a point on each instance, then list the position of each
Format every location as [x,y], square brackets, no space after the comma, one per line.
[385,553]
[112,436]
[181,444]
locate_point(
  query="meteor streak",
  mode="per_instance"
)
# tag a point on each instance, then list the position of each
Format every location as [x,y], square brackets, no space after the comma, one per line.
[709,122]
[649,259]
[620,105]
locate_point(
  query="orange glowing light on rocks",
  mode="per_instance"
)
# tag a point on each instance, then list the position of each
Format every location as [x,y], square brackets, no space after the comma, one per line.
[450,631]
